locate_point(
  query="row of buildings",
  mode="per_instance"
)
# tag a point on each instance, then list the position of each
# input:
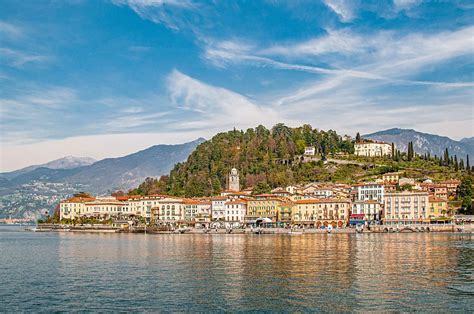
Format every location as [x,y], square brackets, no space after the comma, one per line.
[314,204]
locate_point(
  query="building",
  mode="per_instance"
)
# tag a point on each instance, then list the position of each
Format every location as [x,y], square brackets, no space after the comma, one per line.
[373,149]
[438,207]
[406,181]
[235,211]
[233,181]
[285,212]
[370,191]
[197,211]
[73,207]
[218,208]
[405,207]
[391,177]
[370,211]
[321,212]
[166,209]
[263,206]
[452,186]
[309,150]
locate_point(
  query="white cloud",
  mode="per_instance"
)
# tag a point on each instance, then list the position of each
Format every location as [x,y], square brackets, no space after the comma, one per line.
[215,108]
[159,11]
[343,8]
[405,4]
[10,30]
[19,59]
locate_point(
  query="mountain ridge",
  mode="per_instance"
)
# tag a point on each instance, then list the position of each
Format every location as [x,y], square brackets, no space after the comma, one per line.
[424,142]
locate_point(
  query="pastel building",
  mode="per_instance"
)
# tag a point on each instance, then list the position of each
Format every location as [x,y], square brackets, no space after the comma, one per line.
[405,207]
[373,149]
[235,211]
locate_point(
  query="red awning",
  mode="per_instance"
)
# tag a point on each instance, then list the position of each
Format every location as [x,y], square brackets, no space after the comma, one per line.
[358,216]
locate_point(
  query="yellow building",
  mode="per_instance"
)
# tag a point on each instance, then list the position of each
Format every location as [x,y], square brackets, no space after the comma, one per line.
[321,212]
[263,206]
[391,177]
[284,212]
[437,207]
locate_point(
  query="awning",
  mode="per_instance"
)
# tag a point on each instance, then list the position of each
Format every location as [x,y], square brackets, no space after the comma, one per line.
[356,222]
[357,216]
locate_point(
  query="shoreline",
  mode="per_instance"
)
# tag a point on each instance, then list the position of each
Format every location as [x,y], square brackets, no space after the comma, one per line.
[374,229]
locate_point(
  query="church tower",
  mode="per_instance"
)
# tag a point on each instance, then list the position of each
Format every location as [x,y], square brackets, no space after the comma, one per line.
[233,181]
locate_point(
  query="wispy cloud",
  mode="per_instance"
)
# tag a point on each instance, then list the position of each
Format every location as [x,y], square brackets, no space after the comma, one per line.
[19,59]
[214,107]
[343,8]
[10,30]
[164,12]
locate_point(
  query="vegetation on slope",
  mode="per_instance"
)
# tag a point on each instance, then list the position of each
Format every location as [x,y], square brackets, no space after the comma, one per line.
[270,158]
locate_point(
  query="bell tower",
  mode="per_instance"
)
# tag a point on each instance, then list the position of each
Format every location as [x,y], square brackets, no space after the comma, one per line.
[233,181]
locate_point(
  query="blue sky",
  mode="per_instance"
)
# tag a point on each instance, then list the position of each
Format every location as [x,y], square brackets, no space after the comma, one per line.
[106,78]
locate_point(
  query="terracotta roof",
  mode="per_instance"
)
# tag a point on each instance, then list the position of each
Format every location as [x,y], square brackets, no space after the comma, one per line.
[434,199]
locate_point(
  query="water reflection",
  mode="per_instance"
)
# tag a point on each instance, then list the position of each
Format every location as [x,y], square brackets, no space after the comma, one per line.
[337,272]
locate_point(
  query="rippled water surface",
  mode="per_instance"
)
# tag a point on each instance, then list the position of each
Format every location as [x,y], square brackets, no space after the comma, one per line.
[136,272]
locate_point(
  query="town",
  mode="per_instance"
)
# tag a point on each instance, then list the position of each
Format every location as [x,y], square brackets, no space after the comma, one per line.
[391,199]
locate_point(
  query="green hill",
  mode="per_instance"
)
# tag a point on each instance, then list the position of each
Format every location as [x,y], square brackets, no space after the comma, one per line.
[271,158]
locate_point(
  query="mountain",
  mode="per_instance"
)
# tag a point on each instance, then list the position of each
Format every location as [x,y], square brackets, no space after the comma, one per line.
[424,142]
[468,140]
[68,162]
[126,172]
[33,190]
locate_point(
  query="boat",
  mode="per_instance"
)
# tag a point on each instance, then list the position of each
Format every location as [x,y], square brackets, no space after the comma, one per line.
[35,229]
[329,228]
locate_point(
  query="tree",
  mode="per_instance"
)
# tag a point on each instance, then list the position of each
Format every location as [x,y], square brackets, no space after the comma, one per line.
[393,151]
[410,153]
[83,195]
[358,138]
[465,193]
[261,188]
[446,157]
[468,167]
[456,165]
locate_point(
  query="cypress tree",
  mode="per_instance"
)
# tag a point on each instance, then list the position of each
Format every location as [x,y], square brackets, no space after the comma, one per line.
[446,156]
[468,166]
[393,151]
[456,165]
[461,164]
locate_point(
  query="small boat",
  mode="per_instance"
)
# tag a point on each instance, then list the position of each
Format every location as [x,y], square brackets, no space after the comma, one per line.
[39,229]
[329,229]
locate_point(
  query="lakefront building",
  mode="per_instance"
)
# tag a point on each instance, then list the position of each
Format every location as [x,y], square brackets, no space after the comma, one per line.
[406,207]
[321,212]
[235,211]
[373,149]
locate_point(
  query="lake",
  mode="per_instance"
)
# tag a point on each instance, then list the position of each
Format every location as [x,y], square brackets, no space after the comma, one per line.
[317,272]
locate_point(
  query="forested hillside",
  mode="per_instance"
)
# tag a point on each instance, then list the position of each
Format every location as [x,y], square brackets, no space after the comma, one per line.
[265,158]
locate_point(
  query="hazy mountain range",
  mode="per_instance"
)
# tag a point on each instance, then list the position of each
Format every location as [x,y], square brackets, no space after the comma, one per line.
[32,190]
[424,142]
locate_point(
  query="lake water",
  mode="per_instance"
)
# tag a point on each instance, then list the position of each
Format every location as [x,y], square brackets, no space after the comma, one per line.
[320,272]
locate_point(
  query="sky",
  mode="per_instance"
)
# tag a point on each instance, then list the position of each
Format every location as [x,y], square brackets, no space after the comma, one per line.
[107,78]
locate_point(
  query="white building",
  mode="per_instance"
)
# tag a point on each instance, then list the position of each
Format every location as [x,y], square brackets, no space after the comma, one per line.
[370,191]
[373,149]
[197,211]
[218,207]
[309,151]
[235,211]
[368,210]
